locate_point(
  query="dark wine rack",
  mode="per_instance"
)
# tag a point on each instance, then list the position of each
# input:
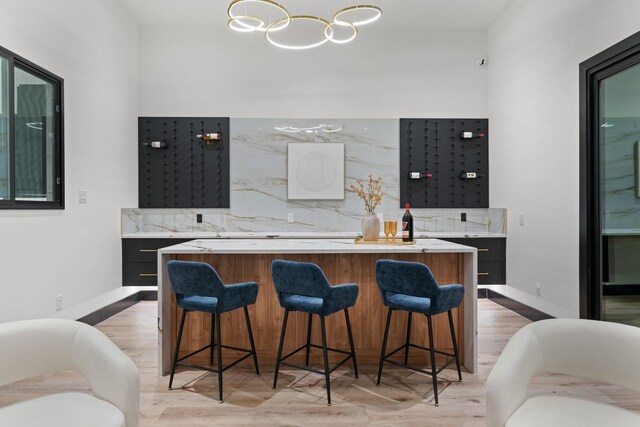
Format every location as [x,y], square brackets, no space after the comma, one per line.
[189,172]
[436,146]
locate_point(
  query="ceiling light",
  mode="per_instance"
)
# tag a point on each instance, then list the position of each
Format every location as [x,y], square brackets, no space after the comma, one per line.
[358,15]
[267,16]
[260,24]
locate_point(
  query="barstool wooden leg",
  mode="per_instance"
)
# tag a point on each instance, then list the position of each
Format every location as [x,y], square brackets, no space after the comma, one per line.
[306,359]
[384,346]
[406,348]
[284,330]
[434,376]
[253,346]
[353,350]
[213,341]
[326,360]
[455,345]
[219,340]
[177,349]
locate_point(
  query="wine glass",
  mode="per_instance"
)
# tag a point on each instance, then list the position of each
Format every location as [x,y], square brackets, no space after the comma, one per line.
[387,230]
[394,229]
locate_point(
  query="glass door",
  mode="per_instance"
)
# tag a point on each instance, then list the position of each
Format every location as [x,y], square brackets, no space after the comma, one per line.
[619,146]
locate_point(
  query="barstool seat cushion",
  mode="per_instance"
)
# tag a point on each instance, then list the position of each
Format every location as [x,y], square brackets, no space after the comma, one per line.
[338,298]
[232,297]
[198,303]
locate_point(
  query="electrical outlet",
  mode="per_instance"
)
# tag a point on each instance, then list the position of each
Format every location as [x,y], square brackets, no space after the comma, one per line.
[463,217]
[290,217]
[199,218]
[82,196]
[538,288]
[58,302]
[522,219]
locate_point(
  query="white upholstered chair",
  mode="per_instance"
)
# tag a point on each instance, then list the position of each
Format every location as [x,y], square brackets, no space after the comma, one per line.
[31,348]
[599,351]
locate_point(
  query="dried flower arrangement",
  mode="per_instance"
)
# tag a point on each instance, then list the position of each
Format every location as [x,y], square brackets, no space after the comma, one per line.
[371,194]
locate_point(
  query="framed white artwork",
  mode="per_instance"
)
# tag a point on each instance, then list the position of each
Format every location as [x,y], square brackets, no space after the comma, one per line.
[315,171]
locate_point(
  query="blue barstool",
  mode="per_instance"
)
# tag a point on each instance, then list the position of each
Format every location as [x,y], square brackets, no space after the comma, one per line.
[302,286]
[198,287]
[411,287]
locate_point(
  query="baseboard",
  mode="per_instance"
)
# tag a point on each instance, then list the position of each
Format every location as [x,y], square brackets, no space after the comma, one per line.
[106,312]
[513,305]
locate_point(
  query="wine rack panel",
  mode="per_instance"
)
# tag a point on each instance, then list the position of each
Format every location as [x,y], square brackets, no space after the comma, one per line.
[449,170]
[178,169]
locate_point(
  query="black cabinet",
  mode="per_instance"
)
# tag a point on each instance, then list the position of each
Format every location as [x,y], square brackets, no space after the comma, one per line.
[140,260]
[492,257]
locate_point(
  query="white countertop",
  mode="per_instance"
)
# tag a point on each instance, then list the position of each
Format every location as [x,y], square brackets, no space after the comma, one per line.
[300,235]
[314,246]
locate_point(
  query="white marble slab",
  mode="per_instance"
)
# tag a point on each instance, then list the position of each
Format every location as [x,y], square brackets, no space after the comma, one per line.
[299,246]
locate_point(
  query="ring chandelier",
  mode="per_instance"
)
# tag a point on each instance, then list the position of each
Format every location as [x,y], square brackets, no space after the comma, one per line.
[346,21]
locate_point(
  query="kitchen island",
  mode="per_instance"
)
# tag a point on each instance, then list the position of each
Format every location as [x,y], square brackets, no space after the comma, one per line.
[343,261]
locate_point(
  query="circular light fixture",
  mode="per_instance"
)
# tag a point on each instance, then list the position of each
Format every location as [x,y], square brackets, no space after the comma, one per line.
[308,18]
[345,15]
[268,17]
[238,24]
[332,36]
[239,19]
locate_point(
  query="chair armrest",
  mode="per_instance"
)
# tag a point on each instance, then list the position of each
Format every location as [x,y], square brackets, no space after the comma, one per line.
[446,298]
[341,295]
[111,374]
[241,294]
[506,386]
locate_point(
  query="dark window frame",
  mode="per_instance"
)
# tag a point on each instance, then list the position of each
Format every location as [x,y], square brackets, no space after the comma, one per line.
[58,163]
[611,61]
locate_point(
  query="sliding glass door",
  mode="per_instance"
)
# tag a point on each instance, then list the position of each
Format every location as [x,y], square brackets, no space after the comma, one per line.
[619,141]
[610,184]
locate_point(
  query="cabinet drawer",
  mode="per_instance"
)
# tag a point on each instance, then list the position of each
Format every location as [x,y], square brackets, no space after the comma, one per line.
[489,249]
[491,273]
[145,250]
[140,274]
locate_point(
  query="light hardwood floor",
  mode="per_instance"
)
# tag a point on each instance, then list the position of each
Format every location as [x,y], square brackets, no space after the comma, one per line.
[404,398]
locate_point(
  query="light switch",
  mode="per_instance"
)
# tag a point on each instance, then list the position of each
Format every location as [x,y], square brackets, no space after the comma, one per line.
[521,219]
[82,196]
[290,217]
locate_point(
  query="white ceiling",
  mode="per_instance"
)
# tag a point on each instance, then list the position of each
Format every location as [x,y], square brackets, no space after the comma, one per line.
[454,14]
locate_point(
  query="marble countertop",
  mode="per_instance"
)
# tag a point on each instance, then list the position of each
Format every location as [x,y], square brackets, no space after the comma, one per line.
[314,246]
[300,235]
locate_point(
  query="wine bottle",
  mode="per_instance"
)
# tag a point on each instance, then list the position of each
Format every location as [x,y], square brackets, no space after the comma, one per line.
[407,225]
[471,135]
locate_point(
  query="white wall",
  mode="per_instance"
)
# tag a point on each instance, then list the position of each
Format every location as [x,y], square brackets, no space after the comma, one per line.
[383,74]
[534,51]
[93,46]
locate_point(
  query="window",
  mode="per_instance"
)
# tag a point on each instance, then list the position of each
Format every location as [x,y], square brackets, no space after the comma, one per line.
[31,135]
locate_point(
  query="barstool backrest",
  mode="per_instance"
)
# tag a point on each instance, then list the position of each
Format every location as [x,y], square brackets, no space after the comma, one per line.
[194,278]
[403,277]
[300,278]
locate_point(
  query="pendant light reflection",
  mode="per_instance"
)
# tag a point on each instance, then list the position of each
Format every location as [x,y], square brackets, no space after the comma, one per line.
[275,17]
[326,128]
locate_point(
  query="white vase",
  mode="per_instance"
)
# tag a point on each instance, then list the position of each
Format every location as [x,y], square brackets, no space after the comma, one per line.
[370,226]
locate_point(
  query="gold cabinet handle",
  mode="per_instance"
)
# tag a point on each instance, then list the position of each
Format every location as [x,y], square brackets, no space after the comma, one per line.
[483,274]
[483,250]
[148,250]
[148,274]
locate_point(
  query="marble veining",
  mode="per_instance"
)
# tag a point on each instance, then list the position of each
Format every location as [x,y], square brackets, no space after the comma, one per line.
[259,186]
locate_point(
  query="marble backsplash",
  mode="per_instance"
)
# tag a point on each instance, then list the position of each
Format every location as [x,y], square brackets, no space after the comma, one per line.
[259,185]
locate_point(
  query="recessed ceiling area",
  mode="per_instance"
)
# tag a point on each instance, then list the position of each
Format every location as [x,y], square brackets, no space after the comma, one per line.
[415,14]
